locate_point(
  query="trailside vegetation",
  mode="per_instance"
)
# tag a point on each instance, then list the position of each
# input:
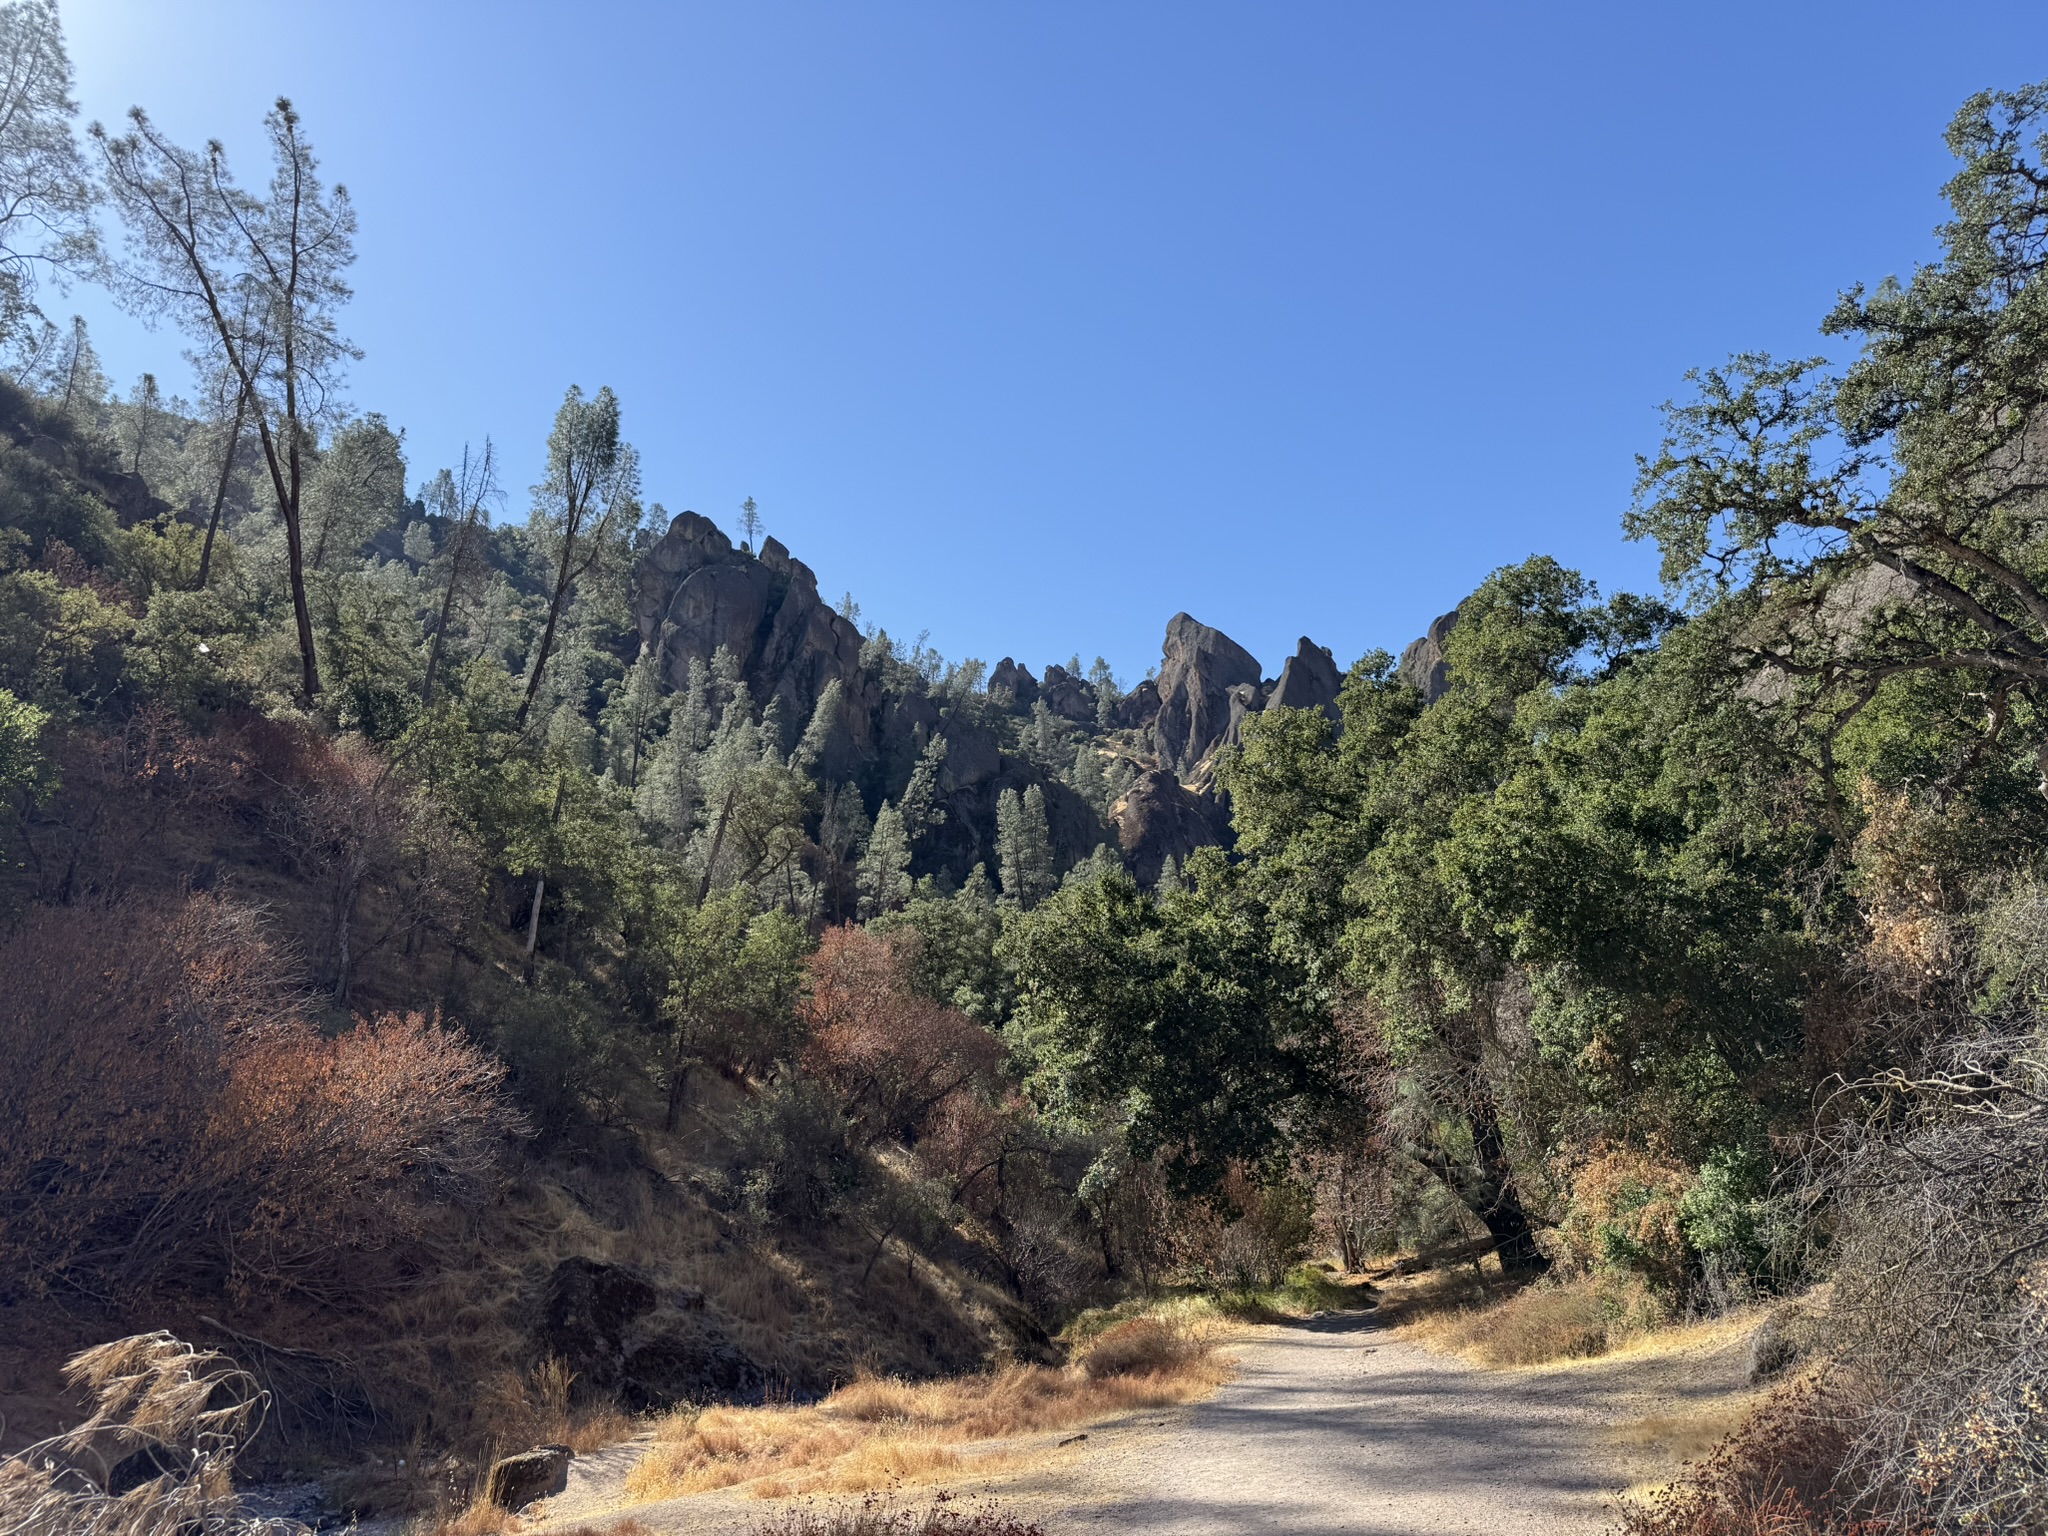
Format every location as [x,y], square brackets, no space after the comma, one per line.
[402,933]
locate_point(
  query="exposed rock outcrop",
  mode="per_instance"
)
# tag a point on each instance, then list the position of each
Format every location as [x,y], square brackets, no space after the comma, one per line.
[1013,681]
[1158,819]
[1199,667]
[622,1336]
[1138,709]
[516,1481]
[1309,680]
[1071,697]
[694,592]
[1424,664]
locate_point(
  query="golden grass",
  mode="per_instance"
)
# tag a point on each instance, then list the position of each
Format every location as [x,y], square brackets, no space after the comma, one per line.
[879,1432]
[1532,1327]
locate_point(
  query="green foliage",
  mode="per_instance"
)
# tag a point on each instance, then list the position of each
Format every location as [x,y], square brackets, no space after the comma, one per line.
[1023,847]
[61,646]
[793,1158]
[957,961]
[1174,1020]
[25,775]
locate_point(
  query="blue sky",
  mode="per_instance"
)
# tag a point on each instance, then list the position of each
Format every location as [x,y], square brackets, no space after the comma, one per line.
[1032,324]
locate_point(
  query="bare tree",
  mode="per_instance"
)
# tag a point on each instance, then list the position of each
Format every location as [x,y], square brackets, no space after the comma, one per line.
[258,278]
[227,383]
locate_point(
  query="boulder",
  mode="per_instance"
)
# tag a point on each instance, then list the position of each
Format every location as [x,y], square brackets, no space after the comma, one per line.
[694,592]
[1068,696]
[1136,710]
[1014,682]
[588,1313]
[1198,668]
[1308,680]
[1158,819]
[689,1364]
[516,1481]
[1424,664]
[649,1349]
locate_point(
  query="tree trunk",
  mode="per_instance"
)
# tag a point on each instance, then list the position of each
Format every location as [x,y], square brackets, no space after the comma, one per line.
[220,490]
[1497,1204]
[547,635]
[678,1092]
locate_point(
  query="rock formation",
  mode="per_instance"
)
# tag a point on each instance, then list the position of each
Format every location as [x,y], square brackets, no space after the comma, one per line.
[1070,697]
[694,592]
[1199,668]
[1424,664]
[1309,680]
[1158,819]
[1014,681]
[1138,709]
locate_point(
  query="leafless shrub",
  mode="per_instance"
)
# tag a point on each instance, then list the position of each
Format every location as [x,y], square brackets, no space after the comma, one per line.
[168,1117]
[155,1454]
[1940,1262]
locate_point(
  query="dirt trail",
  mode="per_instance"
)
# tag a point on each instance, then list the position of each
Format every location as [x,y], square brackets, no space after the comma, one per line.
[1333,1427]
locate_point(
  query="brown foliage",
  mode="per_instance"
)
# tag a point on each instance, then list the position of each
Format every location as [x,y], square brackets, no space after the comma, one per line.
[168,1116]
[893,1054]
[1775,1476]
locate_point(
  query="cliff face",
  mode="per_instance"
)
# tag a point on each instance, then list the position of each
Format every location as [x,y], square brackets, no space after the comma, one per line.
[694,592]
[1423,665]
[1198,668]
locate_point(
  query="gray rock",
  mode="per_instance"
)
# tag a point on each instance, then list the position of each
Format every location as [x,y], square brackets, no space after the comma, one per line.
[516,1481]
[694,592]
[1309,680]
[1138,709]
[1198,668]
[1071,697]
[1245,699]
[1014,681]
[1424,665]
[1158,818]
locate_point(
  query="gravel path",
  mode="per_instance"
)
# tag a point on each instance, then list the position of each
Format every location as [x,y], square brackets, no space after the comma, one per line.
[1331,1427]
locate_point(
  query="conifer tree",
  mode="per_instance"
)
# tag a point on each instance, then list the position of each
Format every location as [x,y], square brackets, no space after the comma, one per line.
[885,868]
[920,806]
[1023,847]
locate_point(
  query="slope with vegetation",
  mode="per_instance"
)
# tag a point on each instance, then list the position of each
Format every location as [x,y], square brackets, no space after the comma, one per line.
[486,977]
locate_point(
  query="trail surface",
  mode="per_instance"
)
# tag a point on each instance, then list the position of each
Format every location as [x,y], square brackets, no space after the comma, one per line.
[1333,1427]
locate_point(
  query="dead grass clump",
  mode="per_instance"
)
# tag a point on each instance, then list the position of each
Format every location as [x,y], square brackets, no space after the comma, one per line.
[876,1432]
[156,1453]
[1532,1327]
[876,1517]
[1141,1346]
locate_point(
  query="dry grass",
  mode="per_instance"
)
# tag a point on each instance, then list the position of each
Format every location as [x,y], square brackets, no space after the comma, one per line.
[1485,1322]
[878,1432]
[944,1516]
[1532,1327]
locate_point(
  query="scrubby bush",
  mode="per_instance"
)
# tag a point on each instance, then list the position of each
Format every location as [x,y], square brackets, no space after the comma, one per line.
[1136,1347]
[792,1156]
[894,1055]
[169,1119]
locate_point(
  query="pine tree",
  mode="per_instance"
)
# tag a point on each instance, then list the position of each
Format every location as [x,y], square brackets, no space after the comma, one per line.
[1023,847]
[1088,780]
[885,868]
[921,809]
